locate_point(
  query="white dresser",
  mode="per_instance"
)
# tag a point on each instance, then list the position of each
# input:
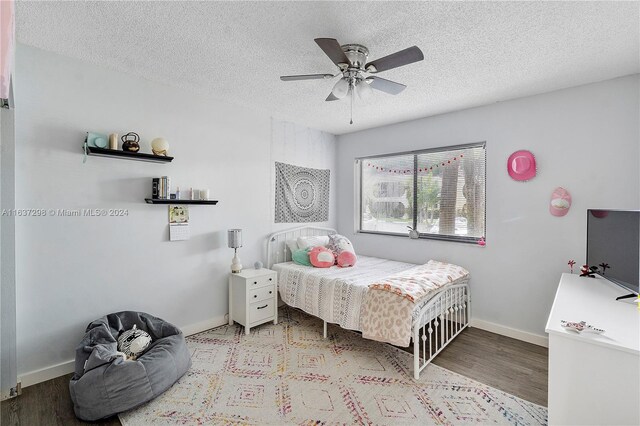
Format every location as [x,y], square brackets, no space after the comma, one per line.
[594,379]
[253,297]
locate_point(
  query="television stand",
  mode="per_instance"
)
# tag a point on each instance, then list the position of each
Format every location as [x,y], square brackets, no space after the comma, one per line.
[593,378]
[628,296]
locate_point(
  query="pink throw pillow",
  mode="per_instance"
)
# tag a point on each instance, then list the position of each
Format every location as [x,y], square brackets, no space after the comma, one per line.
[321,257]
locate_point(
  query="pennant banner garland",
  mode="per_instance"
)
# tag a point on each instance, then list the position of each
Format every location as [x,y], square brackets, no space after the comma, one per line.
[420,170]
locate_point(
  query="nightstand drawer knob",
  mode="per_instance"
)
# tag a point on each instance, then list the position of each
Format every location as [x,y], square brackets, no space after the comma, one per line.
[271,292]
[262,307]
[255,295]
[270,279]
[255,282]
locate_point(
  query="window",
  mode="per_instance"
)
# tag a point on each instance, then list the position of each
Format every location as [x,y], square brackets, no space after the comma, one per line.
[440,192]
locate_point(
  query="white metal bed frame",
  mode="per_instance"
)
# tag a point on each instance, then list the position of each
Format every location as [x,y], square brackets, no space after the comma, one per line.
[438,322]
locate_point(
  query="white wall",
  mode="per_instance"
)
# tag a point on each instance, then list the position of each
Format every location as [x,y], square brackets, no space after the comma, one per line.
[585,139]
[8,354]
[71,270]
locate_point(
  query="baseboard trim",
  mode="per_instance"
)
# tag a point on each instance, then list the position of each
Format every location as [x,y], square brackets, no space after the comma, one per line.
[46,373]
[525,336]
[199,327]
[57,370]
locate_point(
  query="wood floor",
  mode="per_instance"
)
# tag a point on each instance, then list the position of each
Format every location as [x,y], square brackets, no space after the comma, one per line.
[513,366]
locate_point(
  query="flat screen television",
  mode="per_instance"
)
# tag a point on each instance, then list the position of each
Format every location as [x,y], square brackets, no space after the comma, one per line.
[613,239]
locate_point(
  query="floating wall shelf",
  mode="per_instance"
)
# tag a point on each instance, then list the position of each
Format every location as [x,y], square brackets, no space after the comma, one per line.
[167,201]
[138,156]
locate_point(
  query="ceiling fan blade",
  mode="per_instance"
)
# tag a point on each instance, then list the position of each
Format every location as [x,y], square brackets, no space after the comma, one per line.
[385,85]
[395,60]
[305,77]
[331,97]
[332,48]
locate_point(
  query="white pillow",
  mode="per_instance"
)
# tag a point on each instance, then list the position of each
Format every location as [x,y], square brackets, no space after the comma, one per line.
[318,240]
[292,244]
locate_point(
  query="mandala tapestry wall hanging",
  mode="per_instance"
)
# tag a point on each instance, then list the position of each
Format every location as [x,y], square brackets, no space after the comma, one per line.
[302,194]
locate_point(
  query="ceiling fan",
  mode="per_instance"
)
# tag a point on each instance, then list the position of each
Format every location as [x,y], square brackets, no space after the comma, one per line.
[351,60]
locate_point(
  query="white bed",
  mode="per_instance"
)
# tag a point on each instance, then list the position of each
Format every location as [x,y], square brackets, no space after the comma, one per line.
[335,295]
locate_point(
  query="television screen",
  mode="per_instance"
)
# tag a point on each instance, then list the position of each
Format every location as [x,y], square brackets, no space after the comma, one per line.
[613,245]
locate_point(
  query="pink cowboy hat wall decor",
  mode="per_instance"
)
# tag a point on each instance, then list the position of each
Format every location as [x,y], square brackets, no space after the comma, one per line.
[560,202]
[521,165]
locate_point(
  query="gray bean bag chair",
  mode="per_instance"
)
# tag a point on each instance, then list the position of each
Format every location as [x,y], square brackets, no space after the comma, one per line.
[105,384]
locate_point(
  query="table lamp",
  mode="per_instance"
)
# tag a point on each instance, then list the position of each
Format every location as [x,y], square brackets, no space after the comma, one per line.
[234,237]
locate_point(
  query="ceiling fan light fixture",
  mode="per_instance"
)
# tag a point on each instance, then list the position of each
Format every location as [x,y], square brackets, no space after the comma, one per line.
[341,89]
[352,63]
[365,92]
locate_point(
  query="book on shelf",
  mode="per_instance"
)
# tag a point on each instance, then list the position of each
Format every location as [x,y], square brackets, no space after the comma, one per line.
[155,188]
[161,187]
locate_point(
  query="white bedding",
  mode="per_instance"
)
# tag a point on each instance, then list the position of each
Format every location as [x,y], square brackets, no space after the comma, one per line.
[333,294]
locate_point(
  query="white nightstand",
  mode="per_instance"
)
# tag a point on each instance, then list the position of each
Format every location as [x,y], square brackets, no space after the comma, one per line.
[253,297]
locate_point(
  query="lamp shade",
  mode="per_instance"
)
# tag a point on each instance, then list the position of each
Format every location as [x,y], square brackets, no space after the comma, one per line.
[234,237]
[341,88]
[365,92]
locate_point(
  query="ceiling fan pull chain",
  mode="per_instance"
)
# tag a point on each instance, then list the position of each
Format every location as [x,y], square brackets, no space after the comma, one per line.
[351,122]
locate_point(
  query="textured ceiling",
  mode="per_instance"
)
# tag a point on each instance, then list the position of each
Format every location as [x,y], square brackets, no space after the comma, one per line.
[475,52]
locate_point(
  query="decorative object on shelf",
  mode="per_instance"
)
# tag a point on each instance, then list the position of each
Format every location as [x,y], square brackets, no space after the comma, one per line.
[482,242]
[234,239]
[571,263]
[302,194]
[413,233]
[195,194]
[580,327]
[587,271]
[97,140]
[113,141]
[258,265]
[604,267]
[560,202]
[160,146]
[204,194]
[130,142]
[521,165]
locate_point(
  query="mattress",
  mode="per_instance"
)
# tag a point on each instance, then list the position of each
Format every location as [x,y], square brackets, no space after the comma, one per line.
[334,294]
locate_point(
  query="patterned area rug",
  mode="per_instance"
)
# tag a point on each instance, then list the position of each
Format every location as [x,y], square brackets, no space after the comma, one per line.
[288,374]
